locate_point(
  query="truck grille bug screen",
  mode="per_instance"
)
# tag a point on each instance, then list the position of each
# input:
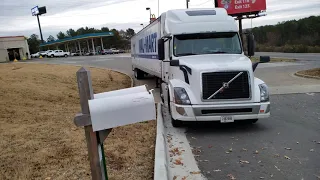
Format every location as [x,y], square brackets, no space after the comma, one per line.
[225,85]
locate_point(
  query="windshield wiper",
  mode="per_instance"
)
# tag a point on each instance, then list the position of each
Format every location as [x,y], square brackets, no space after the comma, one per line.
[186,54]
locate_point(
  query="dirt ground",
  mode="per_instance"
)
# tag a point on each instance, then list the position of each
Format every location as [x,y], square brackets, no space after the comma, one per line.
[311,72]
[38,139]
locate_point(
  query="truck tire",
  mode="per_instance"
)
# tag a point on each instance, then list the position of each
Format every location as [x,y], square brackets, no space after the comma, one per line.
[175,123]
[138,74]
[52,55]
[65,55]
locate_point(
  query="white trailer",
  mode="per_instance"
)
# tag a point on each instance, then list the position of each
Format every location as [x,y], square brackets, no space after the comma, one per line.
[205,76]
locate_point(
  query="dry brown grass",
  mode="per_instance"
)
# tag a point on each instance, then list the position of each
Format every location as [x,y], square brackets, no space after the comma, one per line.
[257,59]
[38,139]
[311,72]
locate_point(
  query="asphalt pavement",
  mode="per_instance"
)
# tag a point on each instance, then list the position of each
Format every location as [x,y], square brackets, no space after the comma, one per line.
[285,146]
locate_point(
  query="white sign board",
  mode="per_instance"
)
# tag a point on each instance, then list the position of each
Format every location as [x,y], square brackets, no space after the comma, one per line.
[35,11]
[121,110]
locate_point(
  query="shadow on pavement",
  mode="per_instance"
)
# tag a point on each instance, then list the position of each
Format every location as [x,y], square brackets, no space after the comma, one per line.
[219,128]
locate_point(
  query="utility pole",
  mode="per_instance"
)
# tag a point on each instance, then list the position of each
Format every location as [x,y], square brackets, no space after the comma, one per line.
[158,8]
[240,28]
[187,1]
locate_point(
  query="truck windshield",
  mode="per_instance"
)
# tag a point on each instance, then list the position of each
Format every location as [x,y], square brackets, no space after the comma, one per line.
[207,43]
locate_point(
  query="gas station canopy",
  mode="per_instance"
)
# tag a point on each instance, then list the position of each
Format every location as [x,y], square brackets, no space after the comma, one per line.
[77,38]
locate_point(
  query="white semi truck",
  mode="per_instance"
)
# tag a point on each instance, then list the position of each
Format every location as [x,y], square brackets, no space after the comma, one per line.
[199,58]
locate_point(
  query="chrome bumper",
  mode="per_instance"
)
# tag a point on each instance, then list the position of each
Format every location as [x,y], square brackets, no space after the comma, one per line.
[215,112]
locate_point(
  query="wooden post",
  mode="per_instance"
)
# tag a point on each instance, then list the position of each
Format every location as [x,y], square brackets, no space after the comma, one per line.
[95,148]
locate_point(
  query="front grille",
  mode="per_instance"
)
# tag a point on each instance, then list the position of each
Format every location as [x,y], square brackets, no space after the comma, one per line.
[238,89]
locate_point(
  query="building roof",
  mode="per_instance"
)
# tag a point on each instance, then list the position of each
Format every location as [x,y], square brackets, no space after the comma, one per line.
[81,37]
[11,36]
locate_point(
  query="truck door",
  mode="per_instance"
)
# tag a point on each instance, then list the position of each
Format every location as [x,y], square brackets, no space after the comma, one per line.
[166,61]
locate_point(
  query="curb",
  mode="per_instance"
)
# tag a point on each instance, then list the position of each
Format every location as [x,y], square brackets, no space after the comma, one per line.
[160,162]
[306,76]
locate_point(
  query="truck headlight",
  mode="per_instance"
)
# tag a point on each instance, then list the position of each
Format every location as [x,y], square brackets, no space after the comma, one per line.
[181,96]
[264,92]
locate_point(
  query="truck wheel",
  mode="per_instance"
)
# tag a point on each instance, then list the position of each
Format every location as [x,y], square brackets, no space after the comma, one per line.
[65,55]
[52,55]
[254,121]
[138,74]
[175,123]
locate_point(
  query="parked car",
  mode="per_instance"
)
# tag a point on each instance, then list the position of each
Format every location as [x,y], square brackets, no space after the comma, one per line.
[91,53]
[106,51]
[58,53]
[115,51]
[35,55]
[47,52]
[43,53]
[75,53]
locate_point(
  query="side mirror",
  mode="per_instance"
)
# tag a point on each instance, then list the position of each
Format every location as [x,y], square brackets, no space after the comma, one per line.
[264,59]
[251,44]
[161,49]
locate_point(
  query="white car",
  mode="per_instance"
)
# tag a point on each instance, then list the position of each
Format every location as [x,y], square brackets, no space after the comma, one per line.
[58,53]
[115,51]
[46,53]
[43,53]
[35,55]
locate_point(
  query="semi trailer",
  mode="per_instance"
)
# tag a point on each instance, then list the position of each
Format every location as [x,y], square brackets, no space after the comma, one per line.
[205,75]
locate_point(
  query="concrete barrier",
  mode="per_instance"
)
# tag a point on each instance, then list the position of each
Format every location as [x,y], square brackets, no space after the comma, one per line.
[160,164]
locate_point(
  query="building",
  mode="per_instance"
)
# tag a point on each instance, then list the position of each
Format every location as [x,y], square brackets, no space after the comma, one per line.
[13,47]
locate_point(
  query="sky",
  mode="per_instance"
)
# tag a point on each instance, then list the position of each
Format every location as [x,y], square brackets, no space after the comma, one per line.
[16,18]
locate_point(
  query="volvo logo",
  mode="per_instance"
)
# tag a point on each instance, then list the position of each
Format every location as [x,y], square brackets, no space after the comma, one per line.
[225,85]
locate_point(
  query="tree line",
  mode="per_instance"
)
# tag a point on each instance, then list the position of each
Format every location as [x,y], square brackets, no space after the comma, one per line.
[299,36]
[120,39]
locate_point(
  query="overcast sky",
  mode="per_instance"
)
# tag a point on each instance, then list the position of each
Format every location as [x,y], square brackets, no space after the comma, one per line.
[16,19]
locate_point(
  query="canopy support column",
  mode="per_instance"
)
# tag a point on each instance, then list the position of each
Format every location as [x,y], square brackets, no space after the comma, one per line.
[93,49]
[80,48]
[102,48]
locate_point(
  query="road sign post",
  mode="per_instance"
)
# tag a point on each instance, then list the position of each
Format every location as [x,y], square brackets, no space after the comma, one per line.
[95,148]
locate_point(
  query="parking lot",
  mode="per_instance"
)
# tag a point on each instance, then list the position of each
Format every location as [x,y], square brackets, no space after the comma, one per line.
[285,146]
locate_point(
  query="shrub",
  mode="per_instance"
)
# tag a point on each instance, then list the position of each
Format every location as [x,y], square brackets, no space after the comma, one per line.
[297,48]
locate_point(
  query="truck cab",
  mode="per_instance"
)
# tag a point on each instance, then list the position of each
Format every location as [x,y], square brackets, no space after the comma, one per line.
[204,72]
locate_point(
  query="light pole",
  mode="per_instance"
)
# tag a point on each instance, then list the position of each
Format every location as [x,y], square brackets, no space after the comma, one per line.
[40,29]
[187,1]
[149,9]
[37,11]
